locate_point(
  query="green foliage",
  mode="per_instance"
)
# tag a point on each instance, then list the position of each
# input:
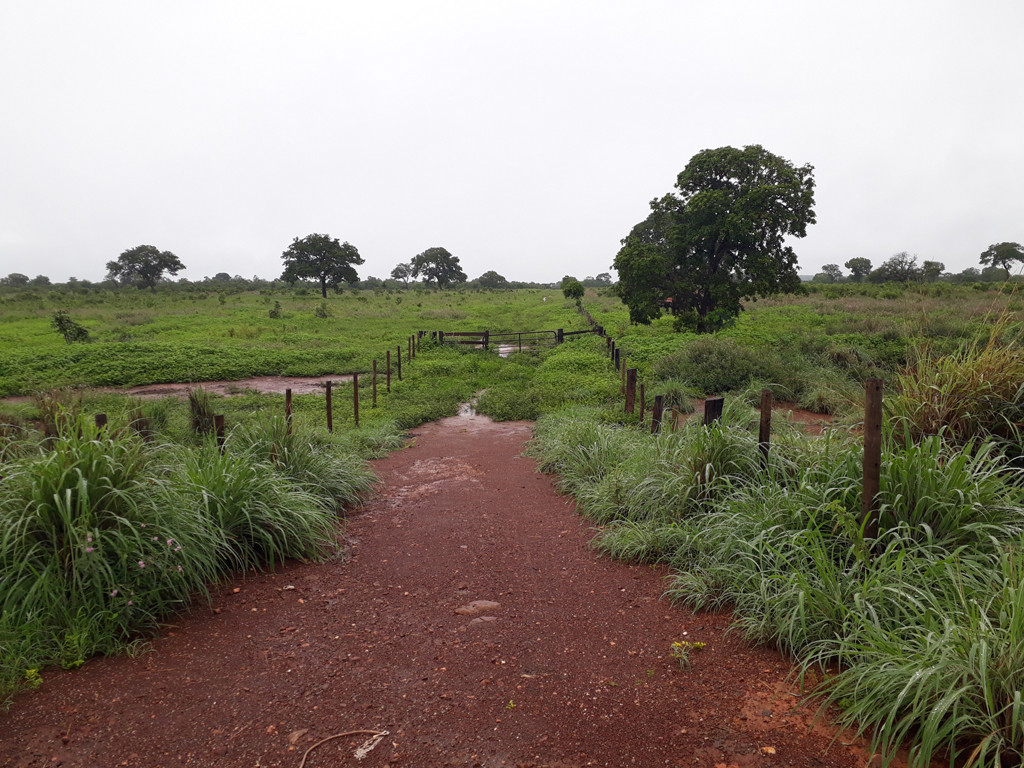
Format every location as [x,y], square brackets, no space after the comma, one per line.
[572,289]
[321,259]
[720,240]
[68,328]
[1002,255]
[438,266]
[143,266]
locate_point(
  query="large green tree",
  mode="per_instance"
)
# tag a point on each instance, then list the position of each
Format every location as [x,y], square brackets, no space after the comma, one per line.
[143,265]
[437,265]
[719,239]
[859,268]
[1003,255]
[321,258]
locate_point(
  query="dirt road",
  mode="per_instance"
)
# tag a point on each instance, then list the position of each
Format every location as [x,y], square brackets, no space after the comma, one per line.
[565,664]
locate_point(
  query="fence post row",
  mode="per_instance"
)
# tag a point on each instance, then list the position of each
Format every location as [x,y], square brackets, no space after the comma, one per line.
[872,456]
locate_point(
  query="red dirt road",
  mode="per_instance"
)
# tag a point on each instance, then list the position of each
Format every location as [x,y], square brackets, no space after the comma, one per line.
[570,668]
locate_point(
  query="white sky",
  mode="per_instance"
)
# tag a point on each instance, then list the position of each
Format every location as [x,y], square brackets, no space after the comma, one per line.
[525,137]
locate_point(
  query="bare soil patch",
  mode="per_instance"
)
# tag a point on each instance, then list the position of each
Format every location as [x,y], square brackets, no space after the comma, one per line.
[471,622]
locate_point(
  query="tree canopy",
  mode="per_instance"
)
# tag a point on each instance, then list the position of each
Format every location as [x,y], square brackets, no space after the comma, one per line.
[321,258]
[402,272]
[572,288]
[492,280]
[437,265]
[859,268]
[898,268]
[143,266]
[1003,255]
[719,239]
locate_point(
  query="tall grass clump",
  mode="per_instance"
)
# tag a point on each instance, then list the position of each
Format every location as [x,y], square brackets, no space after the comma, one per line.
[308,459]
[255,515]
[87,554]
[971,394]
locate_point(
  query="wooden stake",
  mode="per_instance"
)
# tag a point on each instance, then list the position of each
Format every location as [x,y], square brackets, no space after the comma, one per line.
[218,425]
[659,406]
[764,435]
[643,400]
[330,409]
[355,396]
[631,390]
[101,421]
[399,363]
[388,366]
[288,409]
[872,456]
[713,410]
[374,384]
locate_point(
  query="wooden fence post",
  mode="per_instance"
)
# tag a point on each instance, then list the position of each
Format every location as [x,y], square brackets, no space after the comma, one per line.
[288,409]
[101,421]
[374,383]
[631,390]
[872,456]
[643,400]
[618,356]
[218,427]
[656,412]
[388,375]
[330,409]
[355,396]
[412,354]
[611,350]
[440,337]
[713,410]
[764,435]
[559,336]
[398,365]
[487,339]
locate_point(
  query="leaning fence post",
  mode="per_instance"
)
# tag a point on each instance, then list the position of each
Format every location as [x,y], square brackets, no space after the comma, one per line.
[398,365]
[374,383]
[872,456]
[330,410]
[355,396]
[388,366]
[656,412]
[713,410]
[218,426]
[764,435]
[288,409]
[631,390]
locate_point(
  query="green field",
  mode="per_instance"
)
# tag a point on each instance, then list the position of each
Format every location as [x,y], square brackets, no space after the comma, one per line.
[918,633]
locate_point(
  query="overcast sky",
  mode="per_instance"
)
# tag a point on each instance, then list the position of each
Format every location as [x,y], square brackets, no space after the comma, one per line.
[525,137]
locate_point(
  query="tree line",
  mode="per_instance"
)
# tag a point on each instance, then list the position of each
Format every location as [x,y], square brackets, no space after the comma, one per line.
[997,261]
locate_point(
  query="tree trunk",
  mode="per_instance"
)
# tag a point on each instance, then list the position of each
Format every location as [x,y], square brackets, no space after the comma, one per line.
[323,286]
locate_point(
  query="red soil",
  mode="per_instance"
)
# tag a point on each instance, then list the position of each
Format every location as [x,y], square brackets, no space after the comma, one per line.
[567,664]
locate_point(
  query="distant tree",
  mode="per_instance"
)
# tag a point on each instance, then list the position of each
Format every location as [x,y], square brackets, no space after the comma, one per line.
[371,283]
[1003,255]
[604,278]
[40,281]
[931,270]
[969,275]
[859,268]
[15,280]
[221,277]
[437,265]
[721,238]
[402,272]
[833,273]
[143,266]
[900,268]
[322,259]
[492,281]
[993,274]
[572,288]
